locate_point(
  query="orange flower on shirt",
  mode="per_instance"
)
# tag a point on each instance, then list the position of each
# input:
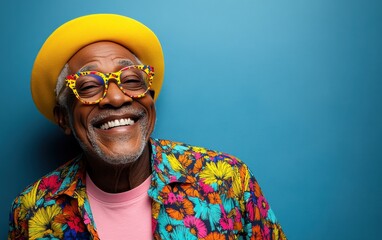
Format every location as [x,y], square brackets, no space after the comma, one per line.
[214,198]
[180,209]
[215,236]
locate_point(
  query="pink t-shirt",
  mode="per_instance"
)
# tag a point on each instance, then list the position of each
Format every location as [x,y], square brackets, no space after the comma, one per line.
[125,215]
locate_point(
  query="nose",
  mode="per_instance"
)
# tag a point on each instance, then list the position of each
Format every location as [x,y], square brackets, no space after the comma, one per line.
[114,97]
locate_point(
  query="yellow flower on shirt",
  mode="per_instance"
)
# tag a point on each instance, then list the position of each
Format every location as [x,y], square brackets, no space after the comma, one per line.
[42,225]
[216,172]
[28,201]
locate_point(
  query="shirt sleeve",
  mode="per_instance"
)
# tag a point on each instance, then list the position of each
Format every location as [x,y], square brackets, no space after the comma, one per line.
[259,219]
[15,230]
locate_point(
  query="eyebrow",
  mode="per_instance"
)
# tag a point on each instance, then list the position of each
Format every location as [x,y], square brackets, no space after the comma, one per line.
[87,68]
[125,62]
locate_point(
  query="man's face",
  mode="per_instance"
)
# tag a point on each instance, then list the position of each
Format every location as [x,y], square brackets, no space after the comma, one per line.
[116,145]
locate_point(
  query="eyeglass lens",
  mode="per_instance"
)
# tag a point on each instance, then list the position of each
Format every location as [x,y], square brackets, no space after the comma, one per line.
[133,81]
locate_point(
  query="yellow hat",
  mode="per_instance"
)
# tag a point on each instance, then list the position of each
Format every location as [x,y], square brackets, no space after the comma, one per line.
[70,37]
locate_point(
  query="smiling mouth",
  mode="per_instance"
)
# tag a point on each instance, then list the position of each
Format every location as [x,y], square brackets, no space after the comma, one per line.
[117,123]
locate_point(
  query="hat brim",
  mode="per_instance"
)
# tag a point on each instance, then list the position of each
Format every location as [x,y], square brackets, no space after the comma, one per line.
[70,37]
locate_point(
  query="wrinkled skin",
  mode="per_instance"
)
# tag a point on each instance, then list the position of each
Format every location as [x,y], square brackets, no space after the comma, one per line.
[118,159]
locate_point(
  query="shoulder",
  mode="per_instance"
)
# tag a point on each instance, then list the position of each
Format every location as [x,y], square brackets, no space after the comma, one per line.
[45,202]
[43,188]
[193,151]
[198,161]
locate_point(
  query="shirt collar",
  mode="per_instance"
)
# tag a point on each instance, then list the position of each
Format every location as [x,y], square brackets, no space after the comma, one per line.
[71,177]
[165,164]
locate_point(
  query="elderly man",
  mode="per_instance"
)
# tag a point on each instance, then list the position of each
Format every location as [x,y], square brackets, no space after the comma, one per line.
[126,185]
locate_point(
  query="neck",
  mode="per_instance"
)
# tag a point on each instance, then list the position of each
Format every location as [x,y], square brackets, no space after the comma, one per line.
[119,178]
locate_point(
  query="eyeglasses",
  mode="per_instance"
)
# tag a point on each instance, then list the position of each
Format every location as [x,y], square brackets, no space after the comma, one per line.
[90,87]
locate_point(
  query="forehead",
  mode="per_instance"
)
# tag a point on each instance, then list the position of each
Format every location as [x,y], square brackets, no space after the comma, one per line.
[101,54]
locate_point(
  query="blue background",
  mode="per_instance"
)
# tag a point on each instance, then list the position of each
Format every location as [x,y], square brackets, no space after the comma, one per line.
[293,88]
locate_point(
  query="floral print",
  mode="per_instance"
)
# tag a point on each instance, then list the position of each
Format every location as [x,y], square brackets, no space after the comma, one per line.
[196,194]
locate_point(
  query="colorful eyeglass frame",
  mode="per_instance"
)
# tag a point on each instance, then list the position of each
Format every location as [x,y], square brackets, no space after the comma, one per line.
[71,81]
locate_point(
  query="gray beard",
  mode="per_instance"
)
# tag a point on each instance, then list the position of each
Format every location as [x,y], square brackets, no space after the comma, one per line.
[117,158]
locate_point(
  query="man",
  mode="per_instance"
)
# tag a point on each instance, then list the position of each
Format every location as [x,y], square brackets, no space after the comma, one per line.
[126,185]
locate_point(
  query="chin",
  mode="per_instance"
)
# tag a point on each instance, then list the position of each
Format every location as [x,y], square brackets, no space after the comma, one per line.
[120,158]
[119,151]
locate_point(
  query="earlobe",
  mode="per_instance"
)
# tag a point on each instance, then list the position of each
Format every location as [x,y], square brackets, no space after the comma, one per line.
[62,119]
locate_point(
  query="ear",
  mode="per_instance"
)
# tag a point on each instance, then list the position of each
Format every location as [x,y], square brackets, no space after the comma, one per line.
[62,118]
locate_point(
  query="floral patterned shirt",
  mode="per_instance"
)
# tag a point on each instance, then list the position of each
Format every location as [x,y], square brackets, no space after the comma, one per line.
[196,194]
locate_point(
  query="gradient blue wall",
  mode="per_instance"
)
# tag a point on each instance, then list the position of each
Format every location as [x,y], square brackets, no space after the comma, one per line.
[291,87]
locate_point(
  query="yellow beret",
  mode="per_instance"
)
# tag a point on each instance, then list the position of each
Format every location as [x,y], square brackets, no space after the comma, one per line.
[70,37]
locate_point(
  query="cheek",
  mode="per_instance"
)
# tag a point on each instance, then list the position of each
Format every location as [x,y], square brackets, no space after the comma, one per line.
[80,116]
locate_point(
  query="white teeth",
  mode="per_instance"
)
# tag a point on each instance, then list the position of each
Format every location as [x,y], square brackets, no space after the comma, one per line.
[117,123]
